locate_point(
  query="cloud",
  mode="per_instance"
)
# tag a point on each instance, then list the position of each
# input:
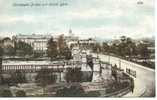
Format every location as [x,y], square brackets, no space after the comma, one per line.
[105,18]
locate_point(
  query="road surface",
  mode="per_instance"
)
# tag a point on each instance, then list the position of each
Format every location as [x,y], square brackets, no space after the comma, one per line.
[145,77]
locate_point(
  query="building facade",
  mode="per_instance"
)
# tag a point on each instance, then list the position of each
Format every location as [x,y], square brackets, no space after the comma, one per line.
[38,42]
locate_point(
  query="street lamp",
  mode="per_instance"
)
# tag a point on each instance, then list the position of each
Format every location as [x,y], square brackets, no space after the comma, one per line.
[119,63]
[97,52]
[108,58]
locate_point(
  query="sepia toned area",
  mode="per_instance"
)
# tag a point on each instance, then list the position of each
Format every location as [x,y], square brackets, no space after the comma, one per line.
[67,66]
[77,48]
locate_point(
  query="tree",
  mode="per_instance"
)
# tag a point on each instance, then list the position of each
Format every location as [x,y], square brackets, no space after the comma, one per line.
[114,48]
[130,48]
[14,78]
[18,77]
[23,49]
[121,49]
[20,93]
[61,43]
[64,51]
[6,93]
[9,50]
[97,48]
[125,48]
[67,53]
[52,51]
[123,39]
[73,91]
[105,47]
[143,51]
[73,75]
[44,77]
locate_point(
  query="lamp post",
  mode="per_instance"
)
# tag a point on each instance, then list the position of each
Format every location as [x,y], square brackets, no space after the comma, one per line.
[119,63]
[97,52]
[108,58]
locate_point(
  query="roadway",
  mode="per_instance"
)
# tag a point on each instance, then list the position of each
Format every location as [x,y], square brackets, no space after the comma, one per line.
[145,77]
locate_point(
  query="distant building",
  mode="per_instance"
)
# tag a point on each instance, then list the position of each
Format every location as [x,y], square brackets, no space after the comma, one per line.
[74,41]
[115,42]
[71,39]
[38,42]
[86,42]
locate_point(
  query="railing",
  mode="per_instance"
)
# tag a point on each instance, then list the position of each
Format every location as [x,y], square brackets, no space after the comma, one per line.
[31,68]
[131,72]
[118,93]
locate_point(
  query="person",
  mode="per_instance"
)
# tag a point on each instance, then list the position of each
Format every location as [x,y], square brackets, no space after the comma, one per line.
[132,84]
[115,66]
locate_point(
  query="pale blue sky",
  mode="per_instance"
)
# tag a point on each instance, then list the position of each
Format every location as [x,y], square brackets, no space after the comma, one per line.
[87,18]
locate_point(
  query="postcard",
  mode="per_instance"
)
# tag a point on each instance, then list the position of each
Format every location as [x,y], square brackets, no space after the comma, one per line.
[77,48]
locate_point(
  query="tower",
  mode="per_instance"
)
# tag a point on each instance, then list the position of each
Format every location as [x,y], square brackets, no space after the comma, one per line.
[96,70]
[70,31]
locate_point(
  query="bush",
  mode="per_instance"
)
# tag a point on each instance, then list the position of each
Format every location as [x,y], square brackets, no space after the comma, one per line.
[73,91]
[73,75]
[6,93]
[20,93]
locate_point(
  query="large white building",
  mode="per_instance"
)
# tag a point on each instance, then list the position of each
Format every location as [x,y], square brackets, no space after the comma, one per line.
[38,42]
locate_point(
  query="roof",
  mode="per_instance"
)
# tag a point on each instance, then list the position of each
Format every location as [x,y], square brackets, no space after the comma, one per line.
[34,36]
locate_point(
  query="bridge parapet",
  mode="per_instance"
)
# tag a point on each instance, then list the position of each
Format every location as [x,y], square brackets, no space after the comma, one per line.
[31,68]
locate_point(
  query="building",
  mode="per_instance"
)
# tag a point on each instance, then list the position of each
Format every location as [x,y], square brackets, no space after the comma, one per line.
[86,42]
[71,39]
[74,41]
[38,42]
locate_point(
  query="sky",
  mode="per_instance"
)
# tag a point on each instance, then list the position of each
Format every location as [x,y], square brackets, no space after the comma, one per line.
[86,18]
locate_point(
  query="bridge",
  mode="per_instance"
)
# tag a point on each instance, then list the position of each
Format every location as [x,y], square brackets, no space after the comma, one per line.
[144,77]
[30,68]
[35,66]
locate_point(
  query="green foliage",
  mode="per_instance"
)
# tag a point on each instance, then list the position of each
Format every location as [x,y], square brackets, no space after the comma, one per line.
[66,52]
[9,50]
[23,49]
[73,75]
[44,77]
[105,47]
[61,43]
[96,48]
[58,49]
[126,47]
[1,51]
[93,94]
[52,51]
[20,93]
[18,77]
[14,78]
[143,50]
[73,91]
[6,93]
